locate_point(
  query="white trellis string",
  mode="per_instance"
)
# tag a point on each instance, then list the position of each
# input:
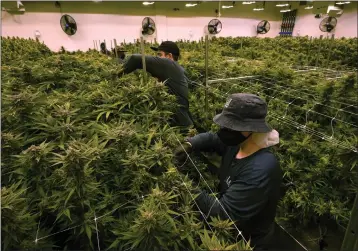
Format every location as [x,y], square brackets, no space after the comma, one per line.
[186,213]
[37,232]
[307,114]
[186,160]
[268,88]
[67,229]
[191,195]
[95,220]
[277,81]
[293,89]
[314,133]
[309,130]
[287,107]
[299,91]
[299,126]
[76,226]
[118,207]
[355,150]
[284,91]
[342,121]
[216,199]
[301,108]
[293,237]
[332,124]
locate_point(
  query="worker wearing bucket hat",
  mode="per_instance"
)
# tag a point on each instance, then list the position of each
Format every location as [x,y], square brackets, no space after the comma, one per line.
[250,176]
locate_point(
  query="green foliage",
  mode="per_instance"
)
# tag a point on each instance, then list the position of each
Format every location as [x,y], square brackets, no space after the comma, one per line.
[79,143]
[19,227]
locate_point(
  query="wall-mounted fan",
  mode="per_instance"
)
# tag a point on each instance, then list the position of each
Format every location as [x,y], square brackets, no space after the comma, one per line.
[214,26]
[68,25]
[148,26]
[263,27]
[328,24]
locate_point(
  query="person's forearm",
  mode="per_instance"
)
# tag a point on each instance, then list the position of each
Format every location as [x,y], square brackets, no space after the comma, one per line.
[210,206]
[154,65]
[133,63]
[206,142]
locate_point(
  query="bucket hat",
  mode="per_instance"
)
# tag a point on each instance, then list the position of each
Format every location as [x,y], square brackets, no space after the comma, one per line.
[244,112]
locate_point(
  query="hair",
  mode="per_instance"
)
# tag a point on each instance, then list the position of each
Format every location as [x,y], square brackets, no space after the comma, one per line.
[175,57]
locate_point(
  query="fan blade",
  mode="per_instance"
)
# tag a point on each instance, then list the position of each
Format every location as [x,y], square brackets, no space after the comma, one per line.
[265,23]
[66,19]
[148,21]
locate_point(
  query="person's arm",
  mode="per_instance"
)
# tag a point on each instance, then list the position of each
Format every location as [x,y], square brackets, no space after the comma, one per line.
[154,65]
[240,201]
[207,142]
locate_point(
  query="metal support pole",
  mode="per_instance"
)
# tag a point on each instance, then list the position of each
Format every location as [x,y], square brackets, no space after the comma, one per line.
[94,45]
[206,72]
[330,50]
[95,42]
[319,50]
[111,45]
[115,47]
[308,51]
[143,60]
[350,241]
[105,46]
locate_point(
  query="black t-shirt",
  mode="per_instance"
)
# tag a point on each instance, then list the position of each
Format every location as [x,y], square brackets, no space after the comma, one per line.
[172,74]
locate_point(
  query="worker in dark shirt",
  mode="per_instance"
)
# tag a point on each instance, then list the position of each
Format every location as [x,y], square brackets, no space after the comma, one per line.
[250,176]
[120,54]
[104,49]
[166,69]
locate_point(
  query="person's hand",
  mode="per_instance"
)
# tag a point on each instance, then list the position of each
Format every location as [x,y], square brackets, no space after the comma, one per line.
[120,73]
[181,152]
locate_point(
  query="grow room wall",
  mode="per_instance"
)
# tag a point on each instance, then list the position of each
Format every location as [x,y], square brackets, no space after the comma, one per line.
[122,21]
[347,25]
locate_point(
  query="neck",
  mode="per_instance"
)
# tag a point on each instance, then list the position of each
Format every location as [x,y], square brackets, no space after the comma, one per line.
[247,148]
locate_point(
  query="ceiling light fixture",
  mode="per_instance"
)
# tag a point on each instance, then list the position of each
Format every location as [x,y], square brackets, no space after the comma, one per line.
[282,5]
[285,10]
[308,7]
[258,9]
[248,2]
[191,4]
[227,6]
[341,3]
[148,3]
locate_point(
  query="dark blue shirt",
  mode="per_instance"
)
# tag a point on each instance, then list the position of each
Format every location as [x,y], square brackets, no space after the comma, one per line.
[249,187]
[173,75]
